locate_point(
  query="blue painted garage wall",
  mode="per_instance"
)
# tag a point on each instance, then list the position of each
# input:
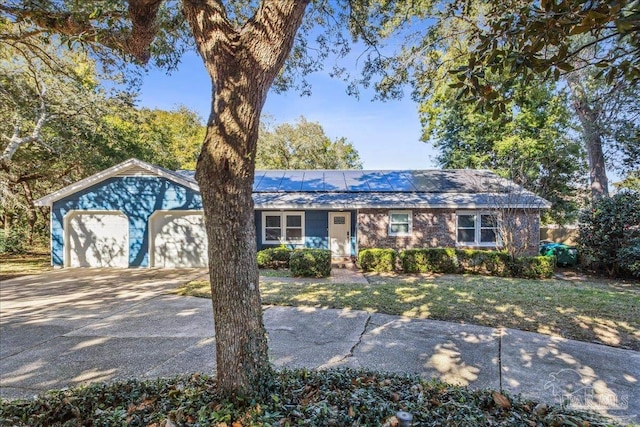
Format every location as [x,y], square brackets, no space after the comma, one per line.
[137,197]
[316,224]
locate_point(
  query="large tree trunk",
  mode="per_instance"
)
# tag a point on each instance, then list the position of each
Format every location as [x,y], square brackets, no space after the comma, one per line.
[242,63]
[590,120]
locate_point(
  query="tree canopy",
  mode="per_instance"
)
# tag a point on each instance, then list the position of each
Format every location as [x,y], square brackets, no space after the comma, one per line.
[533,148]
[303,145]
[60,123]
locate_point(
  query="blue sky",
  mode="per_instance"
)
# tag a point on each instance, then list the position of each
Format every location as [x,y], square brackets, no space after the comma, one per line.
[386,134]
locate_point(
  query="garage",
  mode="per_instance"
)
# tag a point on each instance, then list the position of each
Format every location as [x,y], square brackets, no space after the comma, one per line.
[177,239]
[96,239]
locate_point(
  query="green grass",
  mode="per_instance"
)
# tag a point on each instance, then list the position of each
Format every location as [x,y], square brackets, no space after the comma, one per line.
[23,264]
[602,311]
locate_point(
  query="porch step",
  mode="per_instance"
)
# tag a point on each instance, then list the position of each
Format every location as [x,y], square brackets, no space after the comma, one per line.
[342,263]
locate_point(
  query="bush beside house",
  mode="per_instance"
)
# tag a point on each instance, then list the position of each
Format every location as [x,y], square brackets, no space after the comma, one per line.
[310,263]
[317,262]
[275,258]
[378,260]
[492,263]
[461,261]
[534,267]
[429,260]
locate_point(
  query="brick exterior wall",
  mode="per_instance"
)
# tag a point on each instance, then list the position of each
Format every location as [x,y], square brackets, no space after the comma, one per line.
[432,228]
[526,234]
[436,228]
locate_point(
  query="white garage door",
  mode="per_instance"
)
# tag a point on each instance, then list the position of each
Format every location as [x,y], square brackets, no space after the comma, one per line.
[178,239]
[97,239]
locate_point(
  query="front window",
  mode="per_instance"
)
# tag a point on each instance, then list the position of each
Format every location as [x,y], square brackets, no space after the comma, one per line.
[293,230]
[400,223]
[477,229]
[467,228]
[282,227]
[488,229]
[272,228]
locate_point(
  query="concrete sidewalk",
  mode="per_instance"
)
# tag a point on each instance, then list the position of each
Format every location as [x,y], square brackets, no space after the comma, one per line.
[73,331]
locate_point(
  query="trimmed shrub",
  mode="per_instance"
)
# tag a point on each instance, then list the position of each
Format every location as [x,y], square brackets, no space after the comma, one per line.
[476,261]
[378,260]
[274,258]
[429,260]
[310,263]
[535,267]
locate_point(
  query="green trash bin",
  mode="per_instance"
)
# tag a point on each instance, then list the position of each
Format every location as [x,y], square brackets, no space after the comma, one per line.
[566,256]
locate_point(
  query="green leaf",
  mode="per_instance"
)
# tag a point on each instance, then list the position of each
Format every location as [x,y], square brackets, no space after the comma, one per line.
[580,29]
[565,66]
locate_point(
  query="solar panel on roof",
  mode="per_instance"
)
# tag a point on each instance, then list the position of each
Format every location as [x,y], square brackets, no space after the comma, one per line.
[292,181]
[354,182]
[334,181]
[313,181]
[432,181]
[257,177]
[270,181]
[400,181]
[377,181]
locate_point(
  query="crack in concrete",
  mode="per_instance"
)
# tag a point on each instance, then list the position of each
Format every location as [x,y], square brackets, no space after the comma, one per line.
[364,331]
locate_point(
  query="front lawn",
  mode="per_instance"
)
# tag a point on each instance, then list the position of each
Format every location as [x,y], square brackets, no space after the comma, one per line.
[595,310]
[16,265]
[310,398]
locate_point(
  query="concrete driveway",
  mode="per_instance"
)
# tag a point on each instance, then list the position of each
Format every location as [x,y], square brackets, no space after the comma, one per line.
[74,326]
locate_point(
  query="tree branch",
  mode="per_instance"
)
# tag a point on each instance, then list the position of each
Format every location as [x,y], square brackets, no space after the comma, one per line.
[15,141]
[143,17]
[214,34]
[270,33]
[136,42]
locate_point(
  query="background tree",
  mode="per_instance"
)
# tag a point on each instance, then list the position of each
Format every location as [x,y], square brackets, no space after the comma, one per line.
[58,124]
[609,118]
[548,38]
[171,139]
[533,147]
[522,42]
[631,182]
[584,42]
[51,125]
[303,145]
